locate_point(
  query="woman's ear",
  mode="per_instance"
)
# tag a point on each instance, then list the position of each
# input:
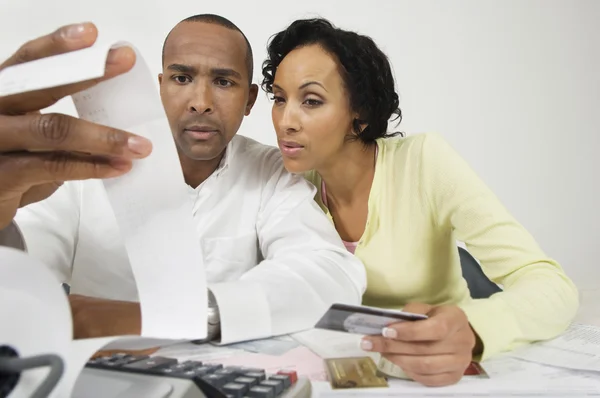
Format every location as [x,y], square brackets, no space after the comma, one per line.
[359,125]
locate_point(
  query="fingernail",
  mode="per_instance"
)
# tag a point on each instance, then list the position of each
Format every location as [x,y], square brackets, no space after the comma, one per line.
[389,332]
[113,56]
[366,345]
[139,145]
[75,32]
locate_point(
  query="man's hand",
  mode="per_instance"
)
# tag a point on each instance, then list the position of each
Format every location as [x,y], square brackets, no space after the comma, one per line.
[38,152]
[435,351]
[94,317]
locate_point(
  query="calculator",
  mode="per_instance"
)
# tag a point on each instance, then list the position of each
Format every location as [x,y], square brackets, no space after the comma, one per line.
[124,375]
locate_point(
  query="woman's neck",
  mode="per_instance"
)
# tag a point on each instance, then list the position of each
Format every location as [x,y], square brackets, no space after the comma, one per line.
[349,175]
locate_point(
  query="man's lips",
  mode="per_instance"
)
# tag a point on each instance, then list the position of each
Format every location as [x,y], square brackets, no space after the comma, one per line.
[201,132]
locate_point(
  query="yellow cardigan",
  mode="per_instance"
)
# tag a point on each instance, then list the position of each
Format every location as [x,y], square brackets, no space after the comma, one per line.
[424,198]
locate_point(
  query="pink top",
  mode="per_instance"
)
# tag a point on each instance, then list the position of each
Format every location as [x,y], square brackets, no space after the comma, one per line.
[350,246]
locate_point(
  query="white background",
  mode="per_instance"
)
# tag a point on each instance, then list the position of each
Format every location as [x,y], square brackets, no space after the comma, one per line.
[514,85]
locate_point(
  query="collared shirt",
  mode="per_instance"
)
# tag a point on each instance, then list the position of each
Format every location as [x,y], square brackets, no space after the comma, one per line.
[273,260]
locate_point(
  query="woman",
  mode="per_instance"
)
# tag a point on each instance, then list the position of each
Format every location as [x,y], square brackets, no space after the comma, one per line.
[401,203]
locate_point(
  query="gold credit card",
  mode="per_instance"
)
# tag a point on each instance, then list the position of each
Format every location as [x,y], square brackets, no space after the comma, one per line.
[360,372]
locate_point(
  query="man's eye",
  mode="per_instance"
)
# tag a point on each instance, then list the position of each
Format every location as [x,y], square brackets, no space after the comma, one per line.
[181,79]
[224,82]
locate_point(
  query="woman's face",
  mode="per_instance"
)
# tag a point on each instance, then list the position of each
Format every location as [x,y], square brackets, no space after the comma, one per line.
[311,109]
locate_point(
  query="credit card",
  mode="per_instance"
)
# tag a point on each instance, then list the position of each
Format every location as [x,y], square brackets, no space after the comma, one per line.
[357,372]
[362,319]
[386,368]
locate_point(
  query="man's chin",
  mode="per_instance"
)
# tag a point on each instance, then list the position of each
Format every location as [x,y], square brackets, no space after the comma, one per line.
[202,152]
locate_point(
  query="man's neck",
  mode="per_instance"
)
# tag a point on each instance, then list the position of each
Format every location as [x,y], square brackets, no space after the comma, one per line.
[349,175]
[195,172]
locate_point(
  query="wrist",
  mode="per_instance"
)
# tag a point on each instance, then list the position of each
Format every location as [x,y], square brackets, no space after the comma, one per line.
[213,319]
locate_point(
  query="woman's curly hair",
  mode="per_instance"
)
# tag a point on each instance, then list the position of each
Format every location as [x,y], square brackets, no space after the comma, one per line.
[366,71]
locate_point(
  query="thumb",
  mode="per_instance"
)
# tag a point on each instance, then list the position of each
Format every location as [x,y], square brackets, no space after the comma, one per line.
[417,308]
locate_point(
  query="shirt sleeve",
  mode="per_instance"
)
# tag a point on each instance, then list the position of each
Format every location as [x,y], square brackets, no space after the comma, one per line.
[49,229]
[305,269]
[11,236]
[538,300]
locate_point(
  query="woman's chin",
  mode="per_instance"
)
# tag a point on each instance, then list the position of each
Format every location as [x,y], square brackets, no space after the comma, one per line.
[295,166]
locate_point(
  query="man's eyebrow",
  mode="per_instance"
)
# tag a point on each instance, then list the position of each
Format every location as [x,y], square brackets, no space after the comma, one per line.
[182,68]
[226,72]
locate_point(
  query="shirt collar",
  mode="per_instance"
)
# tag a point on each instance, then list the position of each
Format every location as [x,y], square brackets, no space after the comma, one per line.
[226,159]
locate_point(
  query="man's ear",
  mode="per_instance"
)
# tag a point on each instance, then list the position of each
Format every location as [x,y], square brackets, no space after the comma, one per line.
[160,76]
[251,98]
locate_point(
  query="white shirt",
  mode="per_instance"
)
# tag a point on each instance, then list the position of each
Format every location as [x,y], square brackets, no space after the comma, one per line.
[273,260]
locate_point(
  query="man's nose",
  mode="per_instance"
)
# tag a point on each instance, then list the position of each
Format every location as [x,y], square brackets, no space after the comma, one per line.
[202,100]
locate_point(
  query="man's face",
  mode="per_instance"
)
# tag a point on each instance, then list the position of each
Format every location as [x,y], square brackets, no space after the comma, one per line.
[205,87]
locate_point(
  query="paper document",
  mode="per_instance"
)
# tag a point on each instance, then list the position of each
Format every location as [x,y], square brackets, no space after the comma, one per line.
[577,348]
[54,71]
[333,344]
[32,299]
[188,351]
[272,346]
[301,359]
[153,207]
[151,202]
[509,377]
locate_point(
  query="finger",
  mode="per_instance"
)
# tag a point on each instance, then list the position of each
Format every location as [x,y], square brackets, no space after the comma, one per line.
[54,132]
[24,170]
[442,322]
[429,364]
[119,60]
[417,308]
[391,346]
[64,39]
[39,192]
[437,380]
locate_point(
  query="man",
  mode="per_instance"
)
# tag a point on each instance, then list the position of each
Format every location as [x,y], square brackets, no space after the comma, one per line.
[274,262]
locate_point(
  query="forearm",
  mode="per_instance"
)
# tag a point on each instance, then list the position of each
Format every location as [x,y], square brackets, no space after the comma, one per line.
[538,306]
[93,317]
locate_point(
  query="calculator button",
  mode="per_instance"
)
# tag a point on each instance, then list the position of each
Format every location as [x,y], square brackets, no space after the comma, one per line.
[283,378]
[291,374]
[259,376]
[276,385]
[215,380]
[235,389]
[248,381]
[261,392]
[227,373]
[214,366]
[151,363]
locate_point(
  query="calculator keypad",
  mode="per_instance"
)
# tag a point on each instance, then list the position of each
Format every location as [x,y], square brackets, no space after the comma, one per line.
[230,381]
